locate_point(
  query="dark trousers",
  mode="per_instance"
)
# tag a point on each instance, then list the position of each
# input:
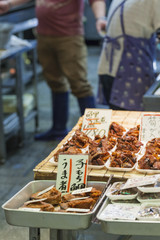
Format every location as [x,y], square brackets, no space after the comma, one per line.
[106,82]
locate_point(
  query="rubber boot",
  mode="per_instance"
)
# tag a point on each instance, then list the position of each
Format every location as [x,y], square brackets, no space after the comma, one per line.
[86,102]
[58,130]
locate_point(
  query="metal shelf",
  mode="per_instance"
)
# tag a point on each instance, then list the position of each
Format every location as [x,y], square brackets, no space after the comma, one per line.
[19,87]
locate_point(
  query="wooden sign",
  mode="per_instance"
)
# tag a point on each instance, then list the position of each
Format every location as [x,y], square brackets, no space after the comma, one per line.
[96,122]
[72,172]
[150,127]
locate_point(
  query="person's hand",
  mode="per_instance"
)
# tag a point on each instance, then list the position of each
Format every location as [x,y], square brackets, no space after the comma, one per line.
[4,6]
[101,24]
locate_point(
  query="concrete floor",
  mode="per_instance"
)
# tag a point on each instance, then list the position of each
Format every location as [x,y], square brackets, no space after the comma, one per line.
[17,170]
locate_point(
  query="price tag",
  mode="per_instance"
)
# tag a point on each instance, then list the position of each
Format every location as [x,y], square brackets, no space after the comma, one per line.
[84,190]
[34,201]
[72,172]
[80,210]
[80,198]
[45,190]
[150,127]
[96,122]
[30,209]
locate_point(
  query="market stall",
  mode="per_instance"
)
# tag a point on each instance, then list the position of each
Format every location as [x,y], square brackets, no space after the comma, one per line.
[46,170]
[69,224]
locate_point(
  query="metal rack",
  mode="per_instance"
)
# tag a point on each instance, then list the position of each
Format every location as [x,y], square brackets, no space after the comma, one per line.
[16,54]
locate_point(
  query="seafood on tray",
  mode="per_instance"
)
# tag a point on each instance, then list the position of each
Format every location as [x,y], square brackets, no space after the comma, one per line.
[127,146]
[134,132]
[149,196]
[148,161]
[52,200]
[122,159]
[120,147]
[151,158]
[98,149]
[129,143]
[153,146]
[116,130]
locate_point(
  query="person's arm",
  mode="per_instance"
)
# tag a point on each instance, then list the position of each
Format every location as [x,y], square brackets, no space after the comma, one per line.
[6,5]
[99,10]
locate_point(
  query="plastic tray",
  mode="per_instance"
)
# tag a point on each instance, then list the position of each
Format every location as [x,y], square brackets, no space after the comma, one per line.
[147,200]
[149,189]
[148,171]
[145,205]
[128,227]
[118,169]
[119,197]
[53,220]
[89,166]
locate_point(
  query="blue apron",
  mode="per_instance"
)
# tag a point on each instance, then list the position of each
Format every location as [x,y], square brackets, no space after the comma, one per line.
[135,72]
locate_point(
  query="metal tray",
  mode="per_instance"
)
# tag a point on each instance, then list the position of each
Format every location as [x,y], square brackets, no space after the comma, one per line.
[53,220]
[128,227]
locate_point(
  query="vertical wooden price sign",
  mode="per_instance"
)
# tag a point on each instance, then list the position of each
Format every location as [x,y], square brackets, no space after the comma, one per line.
[96,122]
[150,127]
[72,172]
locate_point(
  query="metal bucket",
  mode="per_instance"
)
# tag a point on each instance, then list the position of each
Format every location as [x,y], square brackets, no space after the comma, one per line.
[5,34]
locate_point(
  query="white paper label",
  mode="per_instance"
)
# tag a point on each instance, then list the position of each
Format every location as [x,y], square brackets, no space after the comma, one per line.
[84,190]
[80,198]
[96,122]
[150,127]
[72,172]
[45,190]
[34,201]
[30,209]
[77,210]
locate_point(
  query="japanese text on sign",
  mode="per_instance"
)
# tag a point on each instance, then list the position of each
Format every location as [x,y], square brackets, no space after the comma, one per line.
[72,172]
[150,127]
[96,122]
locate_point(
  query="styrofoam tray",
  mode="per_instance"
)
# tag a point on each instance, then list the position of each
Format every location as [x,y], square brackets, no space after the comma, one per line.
[118,169]
[128,227]
[148,171]
[146,205]
[149,189]
[89,166]
[119,197]
[52,220]
[147,200]
[120,211]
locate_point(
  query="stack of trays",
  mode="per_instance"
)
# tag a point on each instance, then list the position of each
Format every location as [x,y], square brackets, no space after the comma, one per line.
[149,197]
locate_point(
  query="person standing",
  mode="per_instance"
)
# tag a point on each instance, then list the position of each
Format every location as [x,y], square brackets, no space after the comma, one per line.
[126,61]
[63,55]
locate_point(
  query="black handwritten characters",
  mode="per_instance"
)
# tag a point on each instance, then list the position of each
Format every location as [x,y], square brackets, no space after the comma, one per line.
[72,172]
[96,122]
[150,127]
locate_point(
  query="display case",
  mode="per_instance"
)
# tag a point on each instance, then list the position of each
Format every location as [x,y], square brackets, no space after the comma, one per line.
[151,98]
